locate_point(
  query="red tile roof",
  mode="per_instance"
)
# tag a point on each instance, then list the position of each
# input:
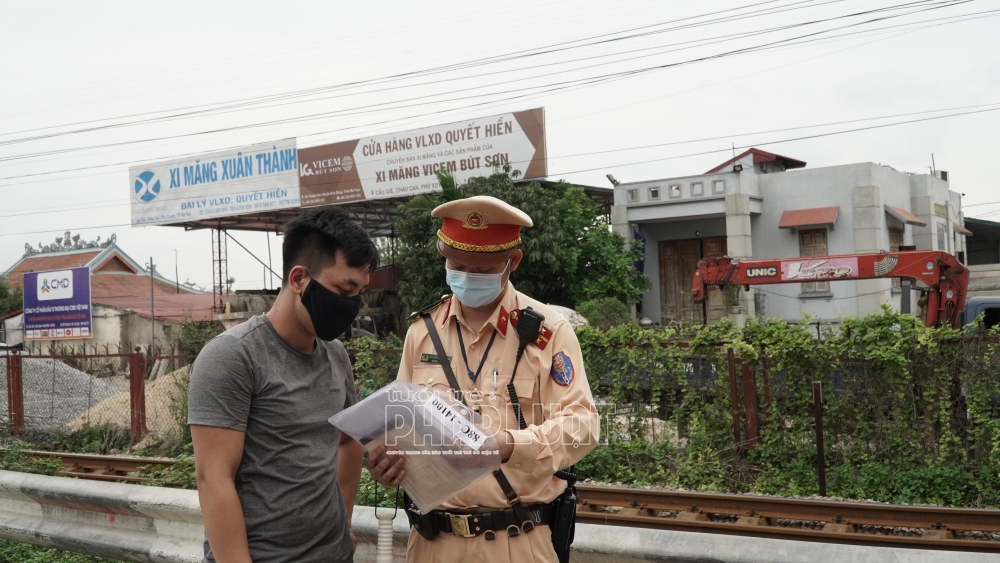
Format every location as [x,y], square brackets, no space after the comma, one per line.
[905,216]
[761,156]
[167,307]
[45,262]
[961,229]
[128,285]
[815,217]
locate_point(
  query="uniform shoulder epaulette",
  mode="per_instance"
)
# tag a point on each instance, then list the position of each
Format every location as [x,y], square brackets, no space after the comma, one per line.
[544,334]
[416,315]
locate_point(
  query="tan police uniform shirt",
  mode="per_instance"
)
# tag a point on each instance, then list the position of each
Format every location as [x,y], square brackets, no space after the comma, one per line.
[551,385]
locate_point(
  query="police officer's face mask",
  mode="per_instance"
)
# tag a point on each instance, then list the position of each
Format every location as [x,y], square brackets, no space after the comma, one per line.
[331,314]
[475,290]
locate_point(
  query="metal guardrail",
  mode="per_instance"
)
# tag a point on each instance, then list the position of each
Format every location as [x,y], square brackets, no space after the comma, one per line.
[113,520]
[152,524]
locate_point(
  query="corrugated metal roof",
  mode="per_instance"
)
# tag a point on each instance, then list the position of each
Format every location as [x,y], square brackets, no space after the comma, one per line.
[166,307]
[905,216]
[814,217]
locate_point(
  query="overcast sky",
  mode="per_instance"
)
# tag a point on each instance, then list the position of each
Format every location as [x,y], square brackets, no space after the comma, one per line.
[733,72]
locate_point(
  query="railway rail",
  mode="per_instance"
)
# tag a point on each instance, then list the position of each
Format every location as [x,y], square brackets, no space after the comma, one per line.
[817,520]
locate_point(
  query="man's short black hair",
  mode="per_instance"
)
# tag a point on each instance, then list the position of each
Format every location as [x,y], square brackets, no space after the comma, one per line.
[313,239]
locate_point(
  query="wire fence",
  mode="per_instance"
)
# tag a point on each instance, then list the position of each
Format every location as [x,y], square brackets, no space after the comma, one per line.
[51,396]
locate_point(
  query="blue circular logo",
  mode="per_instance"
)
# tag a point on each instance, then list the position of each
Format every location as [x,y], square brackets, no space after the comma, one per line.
[147,186]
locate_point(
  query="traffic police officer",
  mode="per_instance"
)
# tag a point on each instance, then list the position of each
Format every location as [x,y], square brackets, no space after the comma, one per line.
[479,238]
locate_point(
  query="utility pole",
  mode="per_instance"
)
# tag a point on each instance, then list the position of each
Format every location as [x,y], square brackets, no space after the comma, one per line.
[268,233]
[177,275]
[152,309]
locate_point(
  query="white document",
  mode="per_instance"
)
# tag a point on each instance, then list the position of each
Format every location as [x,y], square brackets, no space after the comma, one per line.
[444,443]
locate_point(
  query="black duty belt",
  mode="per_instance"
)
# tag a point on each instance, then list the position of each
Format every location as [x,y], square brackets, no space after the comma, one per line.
[471,524]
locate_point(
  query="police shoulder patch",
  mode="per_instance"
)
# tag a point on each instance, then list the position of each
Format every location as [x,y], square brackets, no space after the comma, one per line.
[562,369]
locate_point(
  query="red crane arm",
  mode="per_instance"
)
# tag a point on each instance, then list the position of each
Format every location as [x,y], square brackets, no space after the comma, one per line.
[946,277]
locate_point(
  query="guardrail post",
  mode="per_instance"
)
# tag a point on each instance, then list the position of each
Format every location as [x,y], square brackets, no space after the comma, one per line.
[15,393]
[734,397]
[751,406]
[137,394]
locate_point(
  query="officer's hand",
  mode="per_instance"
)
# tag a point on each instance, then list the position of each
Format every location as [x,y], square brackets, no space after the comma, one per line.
[387,469]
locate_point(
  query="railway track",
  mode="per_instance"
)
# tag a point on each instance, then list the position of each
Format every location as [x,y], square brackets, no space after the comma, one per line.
[828,521]
[818,520]
[101,467]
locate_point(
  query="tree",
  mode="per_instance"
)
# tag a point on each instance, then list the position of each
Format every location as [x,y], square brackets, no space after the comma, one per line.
[10,300]
[569,255]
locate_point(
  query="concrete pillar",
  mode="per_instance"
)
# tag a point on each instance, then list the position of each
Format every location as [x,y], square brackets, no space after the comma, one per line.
[620,225]
[924,237]
[869,236]
[739,246]
[619,222]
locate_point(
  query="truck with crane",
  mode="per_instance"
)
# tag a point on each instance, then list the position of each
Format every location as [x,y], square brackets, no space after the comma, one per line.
[942,280]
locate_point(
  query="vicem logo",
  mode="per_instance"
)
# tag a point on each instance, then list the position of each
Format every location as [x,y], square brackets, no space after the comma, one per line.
[55,285]
[762,272]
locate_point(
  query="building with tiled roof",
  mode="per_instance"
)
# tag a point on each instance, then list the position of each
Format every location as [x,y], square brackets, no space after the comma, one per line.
[120,290]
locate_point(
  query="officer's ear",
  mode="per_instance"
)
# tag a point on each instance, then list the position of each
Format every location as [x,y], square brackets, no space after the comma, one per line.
[515,259]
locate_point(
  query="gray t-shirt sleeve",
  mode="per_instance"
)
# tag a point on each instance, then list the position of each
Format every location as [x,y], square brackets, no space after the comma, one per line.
[343,365]
[222,383]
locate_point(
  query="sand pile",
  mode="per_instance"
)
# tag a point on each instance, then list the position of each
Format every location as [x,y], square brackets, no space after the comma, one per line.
[159,394]
[54,392]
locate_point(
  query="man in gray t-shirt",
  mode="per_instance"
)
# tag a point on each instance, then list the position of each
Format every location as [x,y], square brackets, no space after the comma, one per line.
[276,481]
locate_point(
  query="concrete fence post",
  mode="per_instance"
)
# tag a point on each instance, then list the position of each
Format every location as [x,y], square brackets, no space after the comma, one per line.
[15,393]
[137,394]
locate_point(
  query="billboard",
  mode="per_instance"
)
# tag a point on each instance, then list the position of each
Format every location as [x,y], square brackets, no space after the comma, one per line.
[403,164]
[57,304]
[257,178]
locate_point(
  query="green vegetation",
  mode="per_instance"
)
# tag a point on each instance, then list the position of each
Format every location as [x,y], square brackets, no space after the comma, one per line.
[911,413]
[570,255]
[10,300]
[605,313]
[16,552]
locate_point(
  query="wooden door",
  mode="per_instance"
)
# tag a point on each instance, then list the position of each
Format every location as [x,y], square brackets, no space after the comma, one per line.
[716,302]
[813,243]
[678,262]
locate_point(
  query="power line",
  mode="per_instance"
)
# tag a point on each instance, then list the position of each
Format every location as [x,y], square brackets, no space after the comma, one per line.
[932,6]
[557,86]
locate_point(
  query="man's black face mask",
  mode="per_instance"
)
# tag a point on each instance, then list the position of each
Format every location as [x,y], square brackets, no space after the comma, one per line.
[331,314]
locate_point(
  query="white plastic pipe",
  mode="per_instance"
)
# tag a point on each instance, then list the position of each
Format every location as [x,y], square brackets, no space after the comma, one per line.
[383,547]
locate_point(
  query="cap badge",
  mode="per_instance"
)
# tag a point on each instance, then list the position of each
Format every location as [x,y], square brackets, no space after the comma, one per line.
[475,220]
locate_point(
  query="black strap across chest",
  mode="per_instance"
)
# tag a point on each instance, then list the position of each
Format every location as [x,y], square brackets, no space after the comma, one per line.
[508,491]
[486,352]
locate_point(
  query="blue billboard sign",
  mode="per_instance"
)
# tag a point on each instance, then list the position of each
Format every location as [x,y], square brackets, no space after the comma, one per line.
[57,304]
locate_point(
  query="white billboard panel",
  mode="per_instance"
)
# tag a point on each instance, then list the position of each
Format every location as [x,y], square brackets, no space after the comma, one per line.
[403,164]
[251,179]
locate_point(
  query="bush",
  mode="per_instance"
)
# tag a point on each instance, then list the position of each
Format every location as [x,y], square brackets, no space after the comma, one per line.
[912,414]
[180,475]
[604,313]
[17,552]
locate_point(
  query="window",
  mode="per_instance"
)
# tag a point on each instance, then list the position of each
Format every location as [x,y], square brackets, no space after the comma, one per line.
[719,187]
[813,243]
[895,241]
[654,193]
[942,235]
[675,192]
[697,189]
[633,196]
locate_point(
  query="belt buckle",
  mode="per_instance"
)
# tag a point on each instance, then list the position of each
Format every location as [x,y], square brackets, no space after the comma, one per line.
[460,525]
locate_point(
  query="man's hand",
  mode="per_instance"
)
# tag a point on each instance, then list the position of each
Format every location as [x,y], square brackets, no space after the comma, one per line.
[388,469]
